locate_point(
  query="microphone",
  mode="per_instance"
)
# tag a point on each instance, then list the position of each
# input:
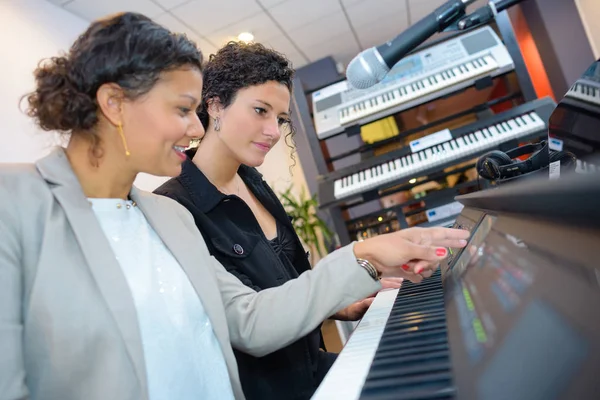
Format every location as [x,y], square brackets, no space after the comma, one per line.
[485,14]
[373,64]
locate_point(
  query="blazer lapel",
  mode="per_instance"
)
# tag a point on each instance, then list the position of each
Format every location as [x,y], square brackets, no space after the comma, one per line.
[100,258]
[168,226]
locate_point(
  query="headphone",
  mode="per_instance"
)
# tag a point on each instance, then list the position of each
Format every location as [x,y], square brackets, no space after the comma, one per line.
[497,165]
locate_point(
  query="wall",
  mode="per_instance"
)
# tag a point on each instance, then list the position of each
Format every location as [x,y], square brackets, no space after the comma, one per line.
[31,30]
[589,11]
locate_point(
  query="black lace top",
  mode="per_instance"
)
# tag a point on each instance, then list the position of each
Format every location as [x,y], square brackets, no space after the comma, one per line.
[284,243]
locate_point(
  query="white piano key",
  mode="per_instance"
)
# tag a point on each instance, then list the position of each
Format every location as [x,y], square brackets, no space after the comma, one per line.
[358,353]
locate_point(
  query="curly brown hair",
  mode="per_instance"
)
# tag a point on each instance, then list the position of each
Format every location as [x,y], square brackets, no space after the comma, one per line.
[239,65]
[128,49]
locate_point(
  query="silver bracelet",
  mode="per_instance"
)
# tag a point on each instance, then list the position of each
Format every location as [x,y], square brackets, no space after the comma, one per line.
[375,274]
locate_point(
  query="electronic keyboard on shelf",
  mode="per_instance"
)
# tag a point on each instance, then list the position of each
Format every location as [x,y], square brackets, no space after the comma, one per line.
[436,151]
[511,316]
[585,90]
[431,73]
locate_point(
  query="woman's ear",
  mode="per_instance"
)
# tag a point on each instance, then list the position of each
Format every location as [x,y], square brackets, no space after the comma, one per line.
[110,99]
[214,107]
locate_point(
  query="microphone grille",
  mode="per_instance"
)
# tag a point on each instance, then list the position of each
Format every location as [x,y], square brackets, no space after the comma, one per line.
[366,69]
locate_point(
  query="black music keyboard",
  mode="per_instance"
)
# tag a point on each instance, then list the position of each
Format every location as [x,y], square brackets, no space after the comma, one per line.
[587,91]
[512,316]
[521,123]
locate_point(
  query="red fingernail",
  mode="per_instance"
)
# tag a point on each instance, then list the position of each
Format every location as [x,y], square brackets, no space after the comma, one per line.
[440,251]
[418,270]
[405,267]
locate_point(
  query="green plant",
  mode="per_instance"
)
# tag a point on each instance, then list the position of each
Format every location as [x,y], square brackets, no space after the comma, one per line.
[305,219]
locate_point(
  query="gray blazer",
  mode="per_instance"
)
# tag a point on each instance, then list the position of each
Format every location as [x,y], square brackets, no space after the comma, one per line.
[68,325]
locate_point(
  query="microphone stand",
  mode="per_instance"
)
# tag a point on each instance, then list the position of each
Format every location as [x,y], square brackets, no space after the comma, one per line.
[483,15]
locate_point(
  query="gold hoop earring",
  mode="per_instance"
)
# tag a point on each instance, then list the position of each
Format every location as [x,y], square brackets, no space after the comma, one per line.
[120,129]
[217,124]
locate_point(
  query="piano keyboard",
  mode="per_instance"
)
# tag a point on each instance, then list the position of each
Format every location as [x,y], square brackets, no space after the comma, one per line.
[408,358]
[433,72]
[413,359]
[359,350]
[405,93]
[412,165]
[588,92]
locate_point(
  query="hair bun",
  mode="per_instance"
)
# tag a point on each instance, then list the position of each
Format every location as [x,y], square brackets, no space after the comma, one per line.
[56,103]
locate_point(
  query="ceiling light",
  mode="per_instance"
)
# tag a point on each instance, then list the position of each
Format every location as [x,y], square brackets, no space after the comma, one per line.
[245,37]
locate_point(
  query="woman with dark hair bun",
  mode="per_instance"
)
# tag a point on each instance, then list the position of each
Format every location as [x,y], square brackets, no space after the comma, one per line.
[108,292]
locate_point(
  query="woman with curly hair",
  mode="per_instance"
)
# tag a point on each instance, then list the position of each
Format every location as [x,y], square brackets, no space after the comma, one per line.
[245,108]
[108,292]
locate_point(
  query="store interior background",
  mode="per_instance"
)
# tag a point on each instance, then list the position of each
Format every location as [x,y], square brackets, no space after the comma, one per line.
[562,35]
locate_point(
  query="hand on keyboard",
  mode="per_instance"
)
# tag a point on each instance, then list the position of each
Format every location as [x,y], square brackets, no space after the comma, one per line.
[412,253]
[356,310]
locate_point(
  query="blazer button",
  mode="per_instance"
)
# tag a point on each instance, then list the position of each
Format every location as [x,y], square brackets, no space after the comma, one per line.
[238,249]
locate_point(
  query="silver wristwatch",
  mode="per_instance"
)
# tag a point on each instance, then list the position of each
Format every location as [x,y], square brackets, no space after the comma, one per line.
[375,274]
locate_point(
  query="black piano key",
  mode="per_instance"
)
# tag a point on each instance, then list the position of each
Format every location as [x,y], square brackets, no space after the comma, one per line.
[435,374]
[412,360]
[393,354]
[438,386]
[409,365]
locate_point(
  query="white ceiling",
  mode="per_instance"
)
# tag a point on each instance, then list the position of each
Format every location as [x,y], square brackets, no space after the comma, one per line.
[304,30]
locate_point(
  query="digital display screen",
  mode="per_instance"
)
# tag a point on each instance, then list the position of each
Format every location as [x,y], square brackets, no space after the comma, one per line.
[402,67]
[328,102]
[478,42]
[468,220]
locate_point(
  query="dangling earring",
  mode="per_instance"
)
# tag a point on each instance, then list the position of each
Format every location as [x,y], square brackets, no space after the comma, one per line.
[120,129]
[217,124]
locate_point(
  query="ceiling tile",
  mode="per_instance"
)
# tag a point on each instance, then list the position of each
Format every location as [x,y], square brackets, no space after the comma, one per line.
[321,30]
[59,2]
[260,25]
[285,47]
[207,17]
[169,4]
[270,3]
[297,59]
[280,43]
[295,14]
[348,3]
[93,9]
[170,22]
[342,47]
[388,27]
[372,12]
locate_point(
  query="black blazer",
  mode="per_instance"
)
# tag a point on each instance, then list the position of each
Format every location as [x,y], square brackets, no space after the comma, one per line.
[235,238]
